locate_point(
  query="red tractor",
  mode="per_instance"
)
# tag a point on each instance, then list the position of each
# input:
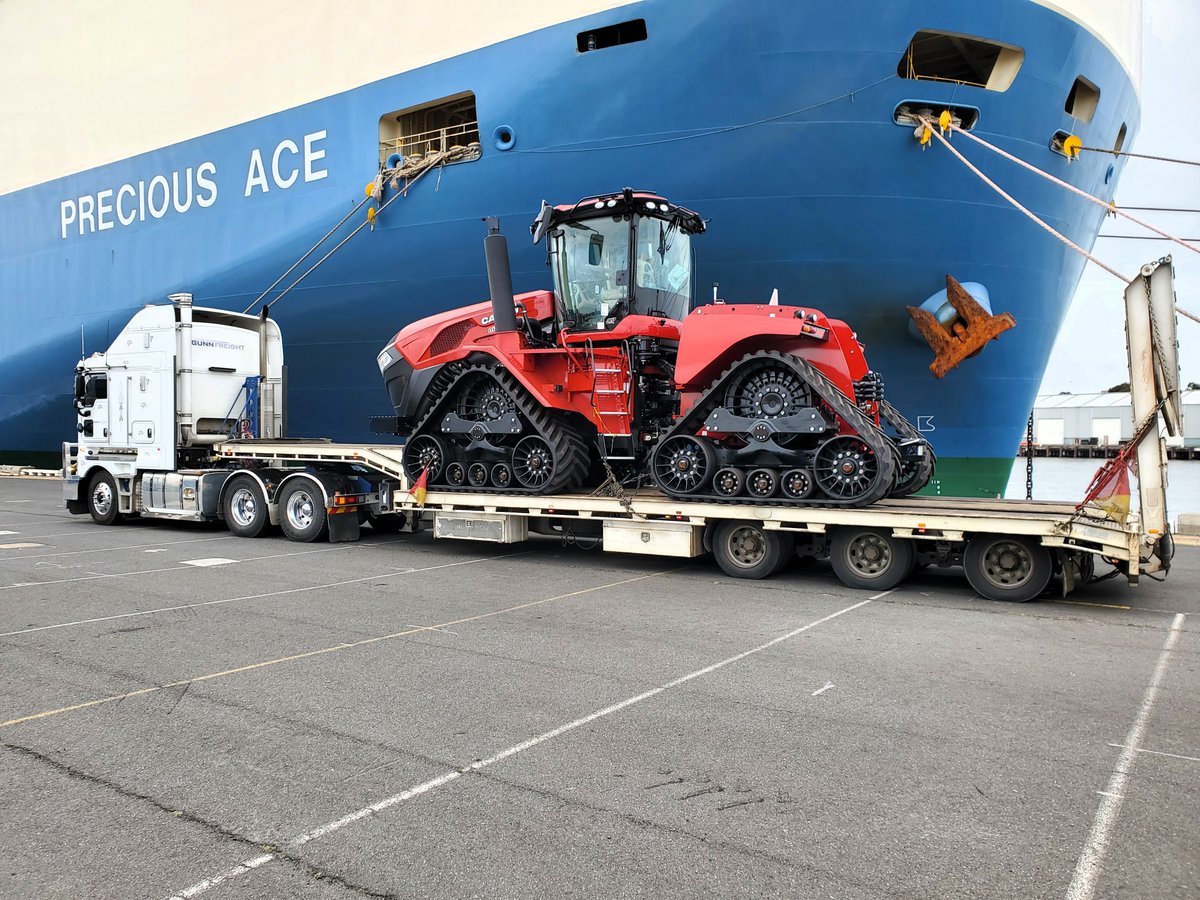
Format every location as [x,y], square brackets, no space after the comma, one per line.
[610,376]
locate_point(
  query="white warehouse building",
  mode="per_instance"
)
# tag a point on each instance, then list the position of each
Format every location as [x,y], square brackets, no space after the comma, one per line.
[1104,419]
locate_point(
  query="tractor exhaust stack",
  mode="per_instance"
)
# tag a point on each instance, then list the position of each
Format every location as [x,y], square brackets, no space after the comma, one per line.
[495,252]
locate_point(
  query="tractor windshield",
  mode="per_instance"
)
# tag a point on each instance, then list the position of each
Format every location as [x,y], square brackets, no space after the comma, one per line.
[664,269]
[592,264]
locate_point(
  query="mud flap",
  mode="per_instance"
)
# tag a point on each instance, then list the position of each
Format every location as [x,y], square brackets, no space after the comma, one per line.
[343,527]
[966,336]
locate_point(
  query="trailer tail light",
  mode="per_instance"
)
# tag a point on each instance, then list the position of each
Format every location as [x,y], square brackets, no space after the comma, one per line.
[344,503]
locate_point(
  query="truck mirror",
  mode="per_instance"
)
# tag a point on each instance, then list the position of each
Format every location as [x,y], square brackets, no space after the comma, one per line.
[78,388]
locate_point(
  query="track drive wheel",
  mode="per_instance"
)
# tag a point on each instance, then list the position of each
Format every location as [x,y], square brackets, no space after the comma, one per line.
[745,549]
[869,559]
[1003,567]
[683,464]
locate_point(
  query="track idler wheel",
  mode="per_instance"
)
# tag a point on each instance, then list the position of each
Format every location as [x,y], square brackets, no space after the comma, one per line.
[456,474]
[846,468]
[424,453]
[762,483]
[683,464]
[502,475]
[797,484]
[477,474]
[728,482]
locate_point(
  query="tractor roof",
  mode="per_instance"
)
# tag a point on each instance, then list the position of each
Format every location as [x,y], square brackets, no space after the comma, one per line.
[627,201]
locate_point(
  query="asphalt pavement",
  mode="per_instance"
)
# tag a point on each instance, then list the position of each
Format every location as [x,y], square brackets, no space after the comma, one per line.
[186,713]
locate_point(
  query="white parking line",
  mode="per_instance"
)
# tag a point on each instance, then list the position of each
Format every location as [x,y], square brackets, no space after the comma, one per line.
[224,537]
[311,587]
[1087,870]
[209,561]
[1160,753]
[453,775]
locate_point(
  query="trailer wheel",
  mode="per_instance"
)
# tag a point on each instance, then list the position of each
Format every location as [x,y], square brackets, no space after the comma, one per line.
[102,500]
[302,511]
[999,567]
[245,507]
[747,550]
[870,560]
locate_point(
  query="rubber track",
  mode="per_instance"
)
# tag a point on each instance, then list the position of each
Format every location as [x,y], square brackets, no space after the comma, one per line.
[906,430]
[571,451]
[842,405]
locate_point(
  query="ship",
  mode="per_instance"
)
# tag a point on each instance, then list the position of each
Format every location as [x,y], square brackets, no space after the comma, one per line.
[153,148]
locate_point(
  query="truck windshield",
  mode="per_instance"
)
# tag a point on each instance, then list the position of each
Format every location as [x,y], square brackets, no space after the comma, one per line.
[592,270]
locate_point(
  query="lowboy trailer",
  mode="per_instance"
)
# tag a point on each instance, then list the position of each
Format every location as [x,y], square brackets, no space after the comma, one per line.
[315,489]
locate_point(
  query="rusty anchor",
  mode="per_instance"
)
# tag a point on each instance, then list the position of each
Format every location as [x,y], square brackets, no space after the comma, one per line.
[965,336]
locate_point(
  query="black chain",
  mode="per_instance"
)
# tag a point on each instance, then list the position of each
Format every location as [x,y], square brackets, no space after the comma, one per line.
[1029,458]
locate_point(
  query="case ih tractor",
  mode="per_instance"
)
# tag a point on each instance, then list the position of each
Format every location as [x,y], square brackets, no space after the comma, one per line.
[610,376]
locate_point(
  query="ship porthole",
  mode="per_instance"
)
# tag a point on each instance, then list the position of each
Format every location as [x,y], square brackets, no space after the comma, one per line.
[504,137]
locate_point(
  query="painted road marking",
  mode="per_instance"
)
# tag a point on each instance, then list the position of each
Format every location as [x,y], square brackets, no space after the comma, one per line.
[208,561]
[347,645]
[819,691]
[225,537]
[454,774]
[20,547]
[156,550]
[149,612]
[1160,753]
[10,532]
[1087,870]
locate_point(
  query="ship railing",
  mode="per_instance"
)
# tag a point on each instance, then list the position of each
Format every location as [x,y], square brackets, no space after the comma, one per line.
[420,144]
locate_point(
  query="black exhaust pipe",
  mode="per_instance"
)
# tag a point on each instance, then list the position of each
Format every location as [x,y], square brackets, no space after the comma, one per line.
[495,252]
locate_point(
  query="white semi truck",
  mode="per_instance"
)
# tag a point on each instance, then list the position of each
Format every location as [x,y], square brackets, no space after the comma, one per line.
[183,418]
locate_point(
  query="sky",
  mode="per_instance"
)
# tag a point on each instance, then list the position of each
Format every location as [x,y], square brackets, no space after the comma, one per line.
[1089,354]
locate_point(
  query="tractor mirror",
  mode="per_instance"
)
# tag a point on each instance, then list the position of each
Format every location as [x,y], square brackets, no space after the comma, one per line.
[595,249]
[78,388]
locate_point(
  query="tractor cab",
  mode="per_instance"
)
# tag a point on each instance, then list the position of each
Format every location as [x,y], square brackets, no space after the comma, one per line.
[618,255]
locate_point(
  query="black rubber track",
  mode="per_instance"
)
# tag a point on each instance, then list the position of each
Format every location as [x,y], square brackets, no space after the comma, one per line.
[914,482]
[571,450]
[878,442]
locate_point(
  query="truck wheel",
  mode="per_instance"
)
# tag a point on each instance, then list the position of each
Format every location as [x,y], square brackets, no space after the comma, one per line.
[102,501]
[302,511]
[870,560]
[1000,567]
[747,550]
[245,507]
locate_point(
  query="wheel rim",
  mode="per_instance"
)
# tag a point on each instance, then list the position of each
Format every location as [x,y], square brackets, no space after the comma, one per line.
[728,482]
[846,467]
[1007,564]
[456,474]
[761,483]
[869,555]
[484,400]
[424,452]
[769,393]
[243,507]
[682,464]
[300,509]
[797,484]
[102,498]
[533,462]
[746,546]
[502,474]
[477,474]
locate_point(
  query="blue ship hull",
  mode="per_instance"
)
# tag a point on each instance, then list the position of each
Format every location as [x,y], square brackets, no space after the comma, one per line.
[775,120]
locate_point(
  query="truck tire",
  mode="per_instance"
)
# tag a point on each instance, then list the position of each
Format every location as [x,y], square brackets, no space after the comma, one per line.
[870,559]
[102,501]
[302,511]
[747,550]
[245,507]
[1009,568]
